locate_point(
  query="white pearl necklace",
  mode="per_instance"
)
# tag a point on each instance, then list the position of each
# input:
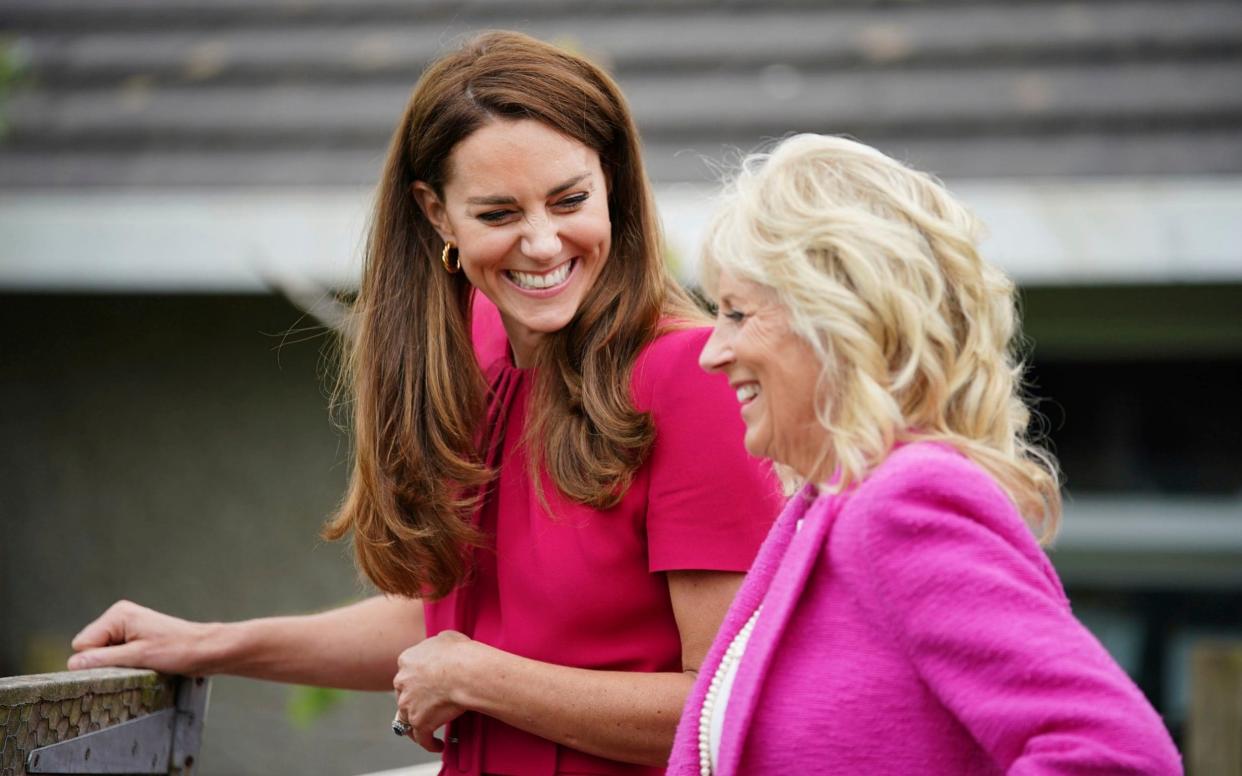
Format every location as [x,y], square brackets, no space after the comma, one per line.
[732,656]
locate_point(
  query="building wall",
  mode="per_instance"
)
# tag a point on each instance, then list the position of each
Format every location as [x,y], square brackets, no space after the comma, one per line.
[176,450]
[1138,388]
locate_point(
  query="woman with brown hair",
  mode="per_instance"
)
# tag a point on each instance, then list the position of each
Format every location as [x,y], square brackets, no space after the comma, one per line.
[536,452]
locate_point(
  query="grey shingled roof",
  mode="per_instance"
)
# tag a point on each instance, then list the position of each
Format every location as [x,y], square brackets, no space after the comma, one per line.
[298,92]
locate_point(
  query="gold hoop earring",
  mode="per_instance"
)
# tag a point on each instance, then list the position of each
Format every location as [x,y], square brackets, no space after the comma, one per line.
[444,258]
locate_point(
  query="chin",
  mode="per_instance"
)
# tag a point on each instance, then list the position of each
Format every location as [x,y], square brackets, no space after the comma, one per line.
[552,324]
[756,448]
[546,324]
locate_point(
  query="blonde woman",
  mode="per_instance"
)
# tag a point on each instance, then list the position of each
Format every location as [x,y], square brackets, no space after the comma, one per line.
[901,617]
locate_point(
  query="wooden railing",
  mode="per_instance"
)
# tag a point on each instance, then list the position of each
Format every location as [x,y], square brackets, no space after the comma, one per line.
[107,720]
[1214,745]
[114,720]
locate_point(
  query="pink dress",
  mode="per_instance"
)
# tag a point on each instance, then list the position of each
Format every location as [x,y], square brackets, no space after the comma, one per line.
[581,587]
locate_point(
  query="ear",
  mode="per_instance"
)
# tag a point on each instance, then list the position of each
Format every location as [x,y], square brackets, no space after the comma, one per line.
[429,202]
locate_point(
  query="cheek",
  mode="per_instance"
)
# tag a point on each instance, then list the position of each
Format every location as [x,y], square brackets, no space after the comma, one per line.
[808,388]
[482,250]
[594,229]
[798,381]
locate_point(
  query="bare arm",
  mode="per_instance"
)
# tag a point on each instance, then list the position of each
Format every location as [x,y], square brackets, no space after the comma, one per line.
[619,715]
[353,647]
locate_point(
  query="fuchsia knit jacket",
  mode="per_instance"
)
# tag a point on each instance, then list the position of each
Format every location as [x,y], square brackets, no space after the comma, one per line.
[914,625]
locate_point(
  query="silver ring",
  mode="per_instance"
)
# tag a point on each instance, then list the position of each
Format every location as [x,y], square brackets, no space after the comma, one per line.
[401,727]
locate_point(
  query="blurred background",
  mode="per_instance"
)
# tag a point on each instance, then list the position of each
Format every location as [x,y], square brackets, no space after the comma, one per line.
[183,182]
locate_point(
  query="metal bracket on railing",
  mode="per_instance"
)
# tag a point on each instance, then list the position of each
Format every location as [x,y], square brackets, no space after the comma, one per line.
[154,743]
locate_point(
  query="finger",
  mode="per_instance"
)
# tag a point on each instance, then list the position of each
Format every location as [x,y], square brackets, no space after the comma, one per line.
[108,628]
[427,740]
[119,655]
[98,634]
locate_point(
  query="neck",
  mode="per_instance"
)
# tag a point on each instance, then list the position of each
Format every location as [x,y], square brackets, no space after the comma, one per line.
[523,343]
[811,459]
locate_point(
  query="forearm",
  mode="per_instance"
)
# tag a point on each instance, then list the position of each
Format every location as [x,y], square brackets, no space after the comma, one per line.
[352,647]
[620,715]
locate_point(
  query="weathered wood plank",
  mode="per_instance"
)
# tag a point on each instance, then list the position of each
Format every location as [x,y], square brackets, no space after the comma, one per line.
[236,92]
[1070,154]
[651,40]
[1215,725]
[922,100]
[39,710]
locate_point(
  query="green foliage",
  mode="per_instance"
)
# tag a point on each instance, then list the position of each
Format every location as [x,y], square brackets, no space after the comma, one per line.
[45,652]
[672,259]
[14,60]
[307,704]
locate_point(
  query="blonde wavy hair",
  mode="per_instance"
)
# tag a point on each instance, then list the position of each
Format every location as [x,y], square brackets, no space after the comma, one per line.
[879,269]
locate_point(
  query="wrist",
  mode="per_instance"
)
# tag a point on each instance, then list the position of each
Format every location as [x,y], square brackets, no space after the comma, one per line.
[475,665]
[218,647]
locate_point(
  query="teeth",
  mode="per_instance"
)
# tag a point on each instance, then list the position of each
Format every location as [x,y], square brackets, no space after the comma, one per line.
[747,392]
[535,282]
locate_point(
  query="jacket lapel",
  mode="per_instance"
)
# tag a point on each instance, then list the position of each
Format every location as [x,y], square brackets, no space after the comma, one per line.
[802,552]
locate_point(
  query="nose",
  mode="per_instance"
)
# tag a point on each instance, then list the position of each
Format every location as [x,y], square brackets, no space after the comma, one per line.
[541,240]
[716,353]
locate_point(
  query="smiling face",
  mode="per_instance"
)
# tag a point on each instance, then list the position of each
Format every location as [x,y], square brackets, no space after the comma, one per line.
[774,371]
[527,208]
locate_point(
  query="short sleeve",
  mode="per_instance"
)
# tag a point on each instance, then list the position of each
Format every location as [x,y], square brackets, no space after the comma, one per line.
[709,503]
[958,579]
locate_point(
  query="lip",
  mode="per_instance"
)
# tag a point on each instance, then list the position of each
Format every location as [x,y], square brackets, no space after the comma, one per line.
[741,383]
[540,293]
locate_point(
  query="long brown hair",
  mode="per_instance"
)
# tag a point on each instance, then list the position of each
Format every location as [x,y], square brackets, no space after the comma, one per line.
[419,396]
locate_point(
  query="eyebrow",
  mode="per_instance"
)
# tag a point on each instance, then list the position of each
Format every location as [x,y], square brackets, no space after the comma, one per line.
[557,189]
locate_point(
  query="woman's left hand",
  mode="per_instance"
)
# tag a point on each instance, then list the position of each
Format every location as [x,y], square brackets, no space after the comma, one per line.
[430,680]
